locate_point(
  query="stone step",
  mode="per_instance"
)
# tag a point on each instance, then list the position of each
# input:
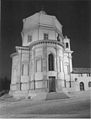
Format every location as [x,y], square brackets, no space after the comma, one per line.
[50,96]
[20,94]
[38,96]
[55,95]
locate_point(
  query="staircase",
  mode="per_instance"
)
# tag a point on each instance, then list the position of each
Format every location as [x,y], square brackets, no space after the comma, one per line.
[38,96]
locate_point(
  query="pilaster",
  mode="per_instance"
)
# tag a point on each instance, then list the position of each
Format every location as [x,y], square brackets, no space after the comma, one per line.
[44,65]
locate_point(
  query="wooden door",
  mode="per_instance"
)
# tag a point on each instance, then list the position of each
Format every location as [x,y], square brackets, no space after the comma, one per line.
[52,87]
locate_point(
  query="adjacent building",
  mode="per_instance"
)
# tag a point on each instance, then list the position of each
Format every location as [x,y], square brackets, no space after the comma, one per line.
[82,78]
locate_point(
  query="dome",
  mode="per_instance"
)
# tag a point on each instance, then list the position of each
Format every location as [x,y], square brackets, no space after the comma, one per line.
[42,19]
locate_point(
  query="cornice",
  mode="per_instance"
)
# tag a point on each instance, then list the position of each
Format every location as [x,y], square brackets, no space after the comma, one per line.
[46,41]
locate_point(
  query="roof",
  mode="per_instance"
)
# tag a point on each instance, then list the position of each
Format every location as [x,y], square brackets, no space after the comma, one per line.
[41,18]
[81,70]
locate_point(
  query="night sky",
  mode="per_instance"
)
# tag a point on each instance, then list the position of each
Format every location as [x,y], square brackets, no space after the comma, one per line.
[73,15]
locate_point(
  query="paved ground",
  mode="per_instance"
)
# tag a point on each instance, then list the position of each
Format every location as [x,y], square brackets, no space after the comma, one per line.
[78,106]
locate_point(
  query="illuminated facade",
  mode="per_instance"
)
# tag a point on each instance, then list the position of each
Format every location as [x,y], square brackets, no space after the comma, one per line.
[44,61]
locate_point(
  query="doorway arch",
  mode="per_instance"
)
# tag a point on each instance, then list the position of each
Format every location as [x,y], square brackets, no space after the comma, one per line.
[81,86]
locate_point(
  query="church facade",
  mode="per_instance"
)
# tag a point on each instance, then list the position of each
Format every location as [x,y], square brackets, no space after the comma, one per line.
[43,63]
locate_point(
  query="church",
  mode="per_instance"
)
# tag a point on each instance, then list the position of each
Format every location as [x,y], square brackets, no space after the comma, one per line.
[43,64]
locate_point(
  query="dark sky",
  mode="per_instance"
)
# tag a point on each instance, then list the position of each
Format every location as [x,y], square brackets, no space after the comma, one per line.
[73,15]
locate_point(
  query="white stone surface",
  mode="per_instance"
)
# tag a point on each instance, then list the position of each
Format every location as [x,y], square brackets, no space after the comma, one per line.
[30,63]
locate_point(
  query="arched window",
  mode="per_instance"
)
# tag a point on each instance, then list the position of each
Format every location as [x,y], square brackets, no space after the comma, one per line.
[81,86]
[67,45]
[51,62]
[89,84]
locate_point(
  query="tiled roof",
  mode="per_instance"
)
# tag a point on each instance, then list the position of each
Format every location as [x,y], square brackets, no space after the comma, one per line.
[81,70]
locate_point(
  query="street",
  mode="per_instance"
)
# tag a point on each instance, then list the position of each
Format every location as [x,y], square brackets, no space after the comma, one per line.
[77,106]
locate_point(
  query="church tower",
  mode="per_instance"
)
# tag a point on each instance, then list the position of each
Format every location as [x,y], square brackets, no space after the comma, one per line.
[43,63]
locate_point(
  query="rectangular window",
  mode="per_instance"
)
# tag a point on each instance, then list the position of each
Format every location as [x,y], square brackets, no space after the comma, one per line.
[29,38]
[45,36]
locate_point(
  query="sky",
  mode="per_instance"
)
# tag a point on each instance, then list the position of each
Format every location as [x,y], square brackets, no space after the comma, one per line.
[73,15]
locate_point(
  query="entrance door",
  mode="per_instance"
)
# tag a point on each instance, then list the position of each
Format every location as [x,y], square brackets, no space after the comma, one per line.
[81,86]
[52,84]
